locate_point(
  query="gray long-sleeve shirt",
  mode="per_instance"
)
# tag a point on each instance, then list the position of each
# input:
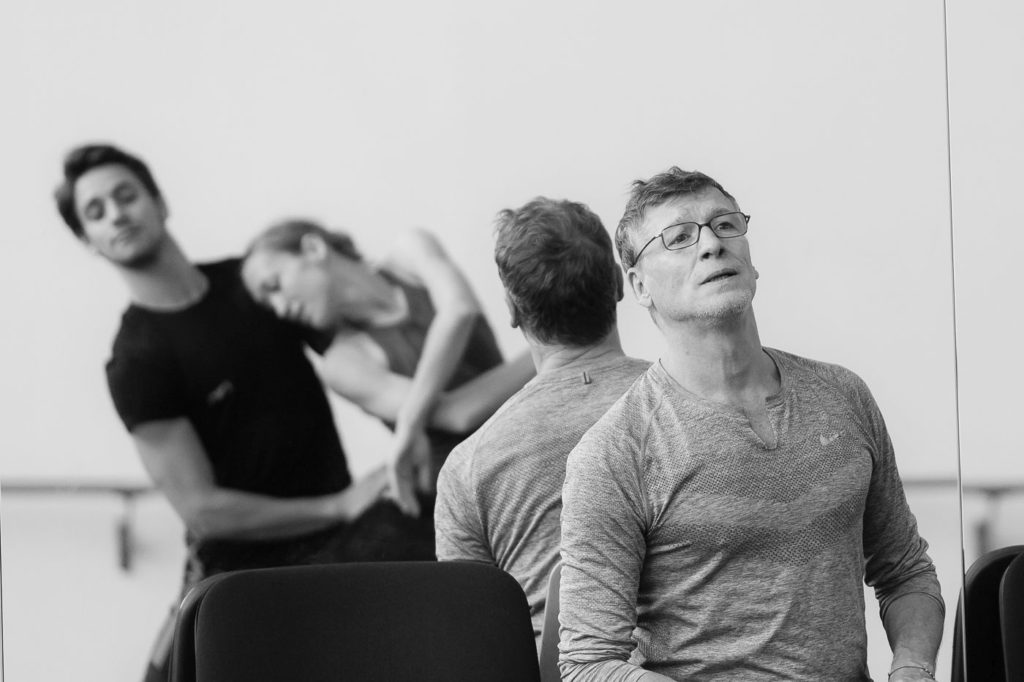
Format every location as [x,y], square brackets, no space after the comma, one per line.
[499,495]
[730,558]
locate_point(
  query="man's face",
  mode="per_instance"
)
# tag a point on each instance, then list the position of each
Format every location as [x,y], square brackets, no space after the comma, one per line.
[295,286]
[121,220]
[710,280]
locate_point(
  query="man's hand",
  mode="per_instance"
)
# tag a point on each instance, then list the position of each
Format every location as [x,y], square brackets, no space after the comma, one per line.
[408,468]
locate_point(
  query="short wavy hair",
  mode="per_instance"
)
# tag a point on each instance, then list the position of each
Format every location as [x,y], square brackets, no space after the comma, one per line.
[557,265]
[647,194]
[286,236]
[83,159]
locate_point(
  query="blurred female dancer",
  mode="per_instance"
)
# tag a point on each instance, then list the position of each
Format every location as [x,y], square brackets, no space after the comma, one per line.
[404,338]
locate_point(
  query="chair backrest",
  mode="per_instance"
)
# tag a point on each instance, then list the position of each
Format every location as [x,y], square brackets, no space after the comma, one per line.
[183,648]
[422,621]
[977,627]
[549,632]
[1011,617]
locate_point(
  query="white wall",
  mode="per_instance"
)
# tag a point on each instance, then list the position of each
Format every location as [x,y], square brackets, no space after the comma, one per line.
[826,120]
[987,112]
[987,142]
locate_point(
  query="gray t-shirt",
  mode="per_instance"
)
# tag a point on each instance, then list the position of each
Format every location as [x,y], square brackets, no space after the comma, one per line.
[733,559]
[499,495]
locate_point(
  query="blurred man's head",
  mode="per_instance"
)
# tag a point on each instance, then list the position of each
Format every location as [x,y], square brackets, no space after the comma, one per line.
[556,263]
[110,201]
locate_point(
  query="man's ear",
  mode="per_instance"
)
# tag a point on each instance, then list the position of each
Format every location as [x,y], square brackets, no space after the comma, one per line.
[513,312]
[165,212]
[640,291]
[313,247]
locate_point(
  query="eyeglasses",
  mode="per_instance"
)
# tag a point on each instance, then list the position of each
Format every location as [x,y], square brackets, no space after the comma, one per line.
[681,235]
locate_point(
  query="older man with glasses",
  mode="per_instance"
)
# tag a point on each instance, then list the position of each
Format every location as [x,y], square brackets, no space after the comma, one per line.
[720,519]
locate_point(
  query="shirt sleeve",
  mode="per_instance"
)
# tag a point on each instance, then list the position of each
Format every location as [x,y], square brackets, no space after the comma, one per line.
[603,550]
[316,339]
[144,382]
[458,528]
[897,563]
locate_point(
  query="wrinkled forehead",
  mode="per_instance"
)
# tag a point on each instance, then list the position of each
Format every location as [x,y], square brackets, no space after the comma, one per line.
[696,207]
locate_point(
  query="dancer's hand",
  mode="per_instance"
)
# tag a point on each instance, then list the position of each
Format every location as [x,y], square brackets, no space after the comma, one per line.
[408,467]
[355,499]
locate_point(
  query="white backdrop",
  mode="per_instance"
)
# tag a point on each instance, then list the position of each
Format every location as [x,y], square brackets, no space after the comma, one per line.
[987,115]
[826,121]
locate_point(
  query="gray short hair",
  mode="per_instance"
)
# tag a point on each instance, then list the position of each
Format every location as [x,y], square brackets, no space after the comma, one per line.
[646,194]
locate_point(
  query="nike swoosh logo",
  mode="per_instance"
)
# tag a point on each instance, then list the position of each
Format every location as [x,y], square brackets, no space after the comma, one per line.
[220,393]
[827,440]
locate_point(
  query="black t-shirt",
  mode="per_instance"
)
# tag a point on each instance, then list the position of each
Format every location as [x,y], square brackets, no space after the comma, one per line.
[241,378]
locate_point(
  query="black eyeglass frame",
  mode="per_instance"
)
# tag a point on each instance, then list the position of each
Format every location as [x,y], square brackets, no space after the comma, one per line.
[661,235]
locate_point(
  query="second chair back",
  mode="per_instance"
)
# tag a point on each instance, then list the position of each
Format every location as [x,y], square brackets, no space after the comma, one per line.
[977,625]
[422,621]
[1011,617]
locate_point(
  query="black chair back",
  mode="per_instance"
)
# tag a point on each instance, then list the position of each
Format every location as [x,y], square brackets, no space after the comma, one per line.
[978,625]
[422,621]
[1011,617]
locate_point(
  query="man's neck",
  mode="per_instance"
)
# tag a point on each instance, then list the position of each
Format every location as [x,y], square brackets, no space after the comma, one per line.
[721,360]
[549,357]
[169,282]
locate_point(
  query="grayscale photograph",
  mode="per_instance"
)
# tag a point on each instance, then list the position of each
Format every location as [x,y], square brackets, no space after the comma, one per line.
[536,341]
